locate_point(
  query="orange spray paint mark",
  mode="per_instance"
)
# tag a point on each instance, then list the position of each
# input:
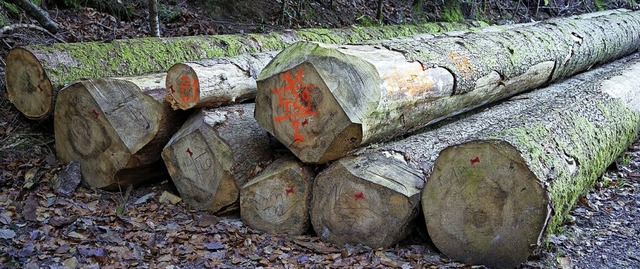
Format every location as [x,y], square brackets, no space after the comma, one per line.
[295,98]
[189,90]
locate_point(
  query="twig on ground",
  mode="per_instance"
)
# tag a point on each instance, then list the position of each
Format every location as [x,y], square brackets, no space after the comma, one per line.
[17,26]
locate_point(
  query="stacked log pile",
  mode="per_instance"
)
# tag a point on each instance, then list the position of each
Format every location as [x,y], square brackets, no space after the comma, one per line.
[354,141]
[35,73]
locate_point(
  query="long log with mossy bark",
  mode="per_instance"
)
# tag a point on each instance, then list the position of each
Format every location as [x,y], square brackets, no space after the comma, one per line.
[493,196]
[115,128]
[383,169]
[35,73]
[322,101]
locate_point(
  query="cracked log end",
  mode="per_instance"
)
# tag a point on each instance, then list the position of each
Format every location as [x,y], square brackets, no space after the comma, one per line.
[353,205]
[183,86]
[483,205]
[299,109]
[28,86]
[278,199]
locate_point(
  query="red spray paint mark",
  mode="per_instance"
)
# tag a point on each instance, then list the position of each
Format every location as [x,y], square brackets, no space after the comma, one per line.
[295,98]
[95,112]
[475,160]
[190,152]
[172,89]
[40,88]
[359,195]
[289,190]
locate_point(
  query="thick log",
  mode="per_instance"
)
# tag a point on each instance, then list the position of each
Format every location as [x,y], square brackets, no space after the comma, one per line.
[278,199]
[214,153]
[411,159]
[35,73]
[115,128]
[322,101]
[493,197]
[215,82]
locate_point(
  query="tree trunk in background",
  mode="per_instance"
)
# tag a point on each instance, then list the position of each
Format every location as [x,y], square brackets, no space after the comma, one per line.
[215,82]
[278,199]
[492,197]
[115,128]
[412,158]
[35,73]
[322,101]
[154,21]
[214,153]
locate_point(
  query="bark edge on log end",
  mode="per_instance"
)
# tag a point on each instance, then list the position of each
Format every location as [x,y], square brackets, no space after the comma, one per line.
[28,86]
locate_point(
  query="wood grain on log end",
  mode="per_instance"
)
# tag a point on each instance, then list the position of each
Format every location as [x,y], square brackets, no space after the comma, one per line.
[28,86]
[278,199]
[214,152]
[106,124]
[483,205]
[372,206]
[298,108]
[183,86]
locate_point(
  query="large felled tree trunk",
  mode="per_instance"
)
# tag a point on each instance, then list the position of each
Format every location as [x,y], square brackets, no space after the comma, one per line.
[411,160]
[322,101]
[215,82]
[214,153]
[115,128]
[492,197]
[35,73]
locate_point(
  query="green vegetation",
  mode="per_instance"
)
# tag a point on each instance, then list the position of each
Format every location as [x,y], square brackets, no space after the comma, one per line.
[451,12]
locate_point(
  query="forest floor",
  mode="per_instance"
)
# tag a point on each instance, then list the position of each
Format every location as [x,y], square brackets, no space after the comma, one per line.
[98,229]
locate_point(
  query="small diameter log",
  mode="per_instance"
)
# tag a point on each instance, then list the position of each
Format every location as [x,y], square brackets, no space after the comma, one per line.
[115,128]
[215,82]
[492,199]
[215,152]
[411,160]
[321,101]
[35,73]
[278,199]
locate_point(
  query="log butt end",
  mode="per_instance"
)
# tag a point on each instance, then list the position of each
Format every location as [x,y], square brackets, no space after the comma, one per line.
[483,205]
[198,173]
[299,109]
[183,86]
[28,86]
[352,207]
[278,199]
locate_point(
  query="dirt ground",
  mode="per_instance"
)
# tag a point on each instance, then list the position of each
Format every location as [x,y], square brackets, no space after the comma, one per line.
[99,229]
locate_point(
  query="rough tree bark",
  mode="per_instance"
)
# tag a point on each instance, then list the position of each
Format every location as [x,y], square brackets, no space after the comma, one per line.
[278,199]
[115,128]
[214,153]
[491,198]
[411,160]
[215,82]
[322,101]
[154,21]
[35,73]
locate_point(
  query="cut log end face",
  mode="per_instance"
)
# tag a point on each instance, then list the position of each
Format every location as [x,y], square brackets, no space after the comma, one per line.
[198,175]
[347,209]
[277,201]
[183,86]
[28,87]
[301,108]
[483,205]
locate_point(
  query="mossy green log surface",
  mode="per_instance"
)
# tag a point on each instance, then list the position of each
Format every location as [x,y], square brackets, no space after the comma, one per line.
[502,190]
[43,69]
